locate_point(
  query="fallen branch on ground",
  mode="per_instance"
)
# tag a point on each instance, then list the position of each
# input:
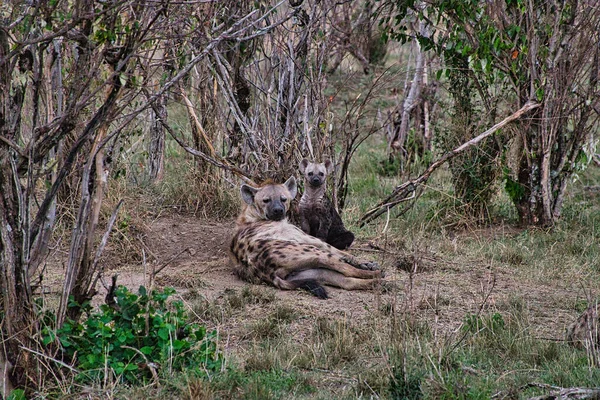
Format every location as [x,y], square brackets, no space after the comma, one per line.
[564,393]
[415,186]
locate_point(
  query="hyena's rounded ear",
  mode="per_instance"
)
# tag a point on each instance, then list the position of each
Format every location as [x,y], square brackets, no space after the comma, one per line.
[328,166]
[303,164]
[291,186]
[248,193]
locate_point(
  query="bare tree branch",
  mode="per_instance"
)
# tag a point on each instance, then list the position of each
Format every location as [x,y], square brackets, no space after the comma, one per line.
[400,193]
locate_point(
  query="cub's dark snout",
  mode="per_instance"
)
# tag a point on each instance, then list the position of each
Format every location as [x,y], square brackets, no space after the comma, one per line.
[316,181]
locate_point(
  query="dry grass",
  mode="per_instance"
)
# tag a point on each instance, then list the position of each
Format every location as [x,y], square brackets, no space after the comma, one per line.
[475,311]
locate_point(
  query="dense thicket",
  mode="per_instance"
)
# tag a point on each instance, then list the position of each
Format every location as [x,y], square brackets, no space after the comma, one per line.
[81,81]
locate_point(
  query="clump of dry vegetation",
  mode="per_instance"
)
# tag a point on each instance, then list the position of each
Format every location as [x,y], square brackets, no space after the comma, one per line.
[126,128]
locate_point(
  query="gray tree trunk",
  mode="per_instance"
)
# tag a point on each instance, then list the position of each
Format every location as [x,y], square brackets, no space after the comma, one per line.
[156,145]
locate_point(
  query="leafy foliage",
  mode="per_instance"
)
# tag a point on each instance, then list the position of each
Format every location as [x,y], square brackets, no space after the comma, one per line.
[144,332]
[18,394]
[509,53]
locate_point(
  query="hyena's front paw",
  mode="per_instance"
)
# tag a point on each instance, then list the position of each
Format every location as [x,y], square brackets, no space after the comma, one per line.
[369,265]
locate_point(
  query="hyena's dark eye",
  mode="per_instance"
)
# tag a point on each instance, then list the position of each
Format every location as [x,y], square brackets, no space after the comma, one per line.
[310,174]
[266,201]
[320,174]
[283,199]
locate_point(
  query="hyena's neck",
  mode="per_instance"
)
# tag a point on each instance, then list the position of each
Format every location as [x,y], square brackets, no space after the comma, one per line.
[249,216]
[313,195]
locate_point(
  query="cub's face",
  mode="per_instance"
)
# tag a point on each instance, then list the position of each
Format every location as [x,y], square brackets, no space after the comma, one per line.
[270,202]
[315,174]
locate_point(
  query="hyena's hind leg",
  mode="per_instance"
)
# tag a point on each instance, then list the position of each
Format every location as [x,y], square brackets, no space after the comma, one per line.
[286,258]
[366,265]
[333,278]
[313,280]
[310,285]
[342,255]
[287,265]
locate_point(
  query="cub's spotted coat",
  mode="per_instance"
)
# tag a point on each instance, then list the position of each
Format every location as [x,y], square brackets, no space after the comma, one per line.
[267,248]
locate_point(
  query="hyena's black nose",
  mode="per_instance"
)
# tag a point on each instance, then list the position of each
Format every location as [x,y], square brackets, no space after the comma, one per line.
[276,214]
[315,181]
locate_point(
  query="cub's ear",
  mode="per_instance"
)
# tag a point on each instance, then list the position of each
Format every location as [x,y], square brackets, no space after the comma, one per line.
[303,164]
[248,193]
[329,166]
[291,185]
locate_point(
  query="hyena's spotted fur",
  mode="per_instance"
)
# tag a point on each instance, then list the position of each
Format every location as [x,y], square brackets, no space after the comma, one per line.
[318,217]
[267,248]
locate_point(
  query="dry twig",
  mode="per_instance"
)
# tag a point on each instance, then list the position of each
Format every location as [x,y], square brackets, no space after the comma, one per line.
[559,393]
[415,186]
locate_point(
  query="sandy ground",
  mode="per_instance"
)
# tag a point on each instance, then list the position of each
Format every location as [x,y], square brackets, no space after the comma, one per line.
[194,254]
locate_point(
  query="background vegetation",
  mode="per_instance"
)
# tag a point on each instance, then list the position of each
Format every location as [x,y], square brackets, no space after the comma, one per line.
[111,111]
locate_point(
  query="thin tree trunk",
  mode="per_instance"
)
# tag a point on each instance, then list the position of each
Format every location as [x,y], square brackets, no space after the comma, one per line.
[156,146]
[163,59]
[410,102]
[427,134]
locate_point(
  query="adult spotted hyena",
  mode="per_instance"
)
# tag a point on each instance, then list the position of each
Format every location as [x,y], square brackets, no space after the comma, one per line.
[267,248]
[318,217]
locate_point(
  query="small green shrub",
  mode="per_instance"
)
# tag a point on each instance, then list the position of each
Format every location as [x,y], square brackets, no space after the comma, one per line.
[405,387]
[475,324]
[143,332]
[17,394]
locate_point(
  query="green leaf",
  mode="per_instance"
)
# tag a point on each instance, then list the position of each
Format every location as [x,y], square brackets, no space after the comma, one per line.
[65,341]
[122,337]
[91,359]
[179,344]
[131,367]
[49,338]
[439,74]
[17,394]
[539,94]
[163,333]
[101,334]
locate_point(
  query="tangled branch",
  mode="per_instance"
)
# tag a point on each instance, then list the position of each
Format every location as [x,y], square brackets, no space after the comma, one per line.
[412,189]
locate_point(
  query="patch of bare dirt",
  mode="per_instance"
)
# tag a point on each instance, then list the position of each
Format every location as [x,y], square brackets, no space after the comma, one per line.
[194,254]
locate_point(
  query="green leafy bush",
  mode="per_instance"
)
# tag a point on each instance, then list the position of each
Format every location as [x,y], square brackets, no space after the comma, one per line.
[141,335]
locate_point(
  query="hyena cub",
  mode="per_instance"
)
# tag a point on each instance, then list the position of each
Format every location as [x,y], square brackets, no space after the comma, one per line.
[267,248]
[317,214]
